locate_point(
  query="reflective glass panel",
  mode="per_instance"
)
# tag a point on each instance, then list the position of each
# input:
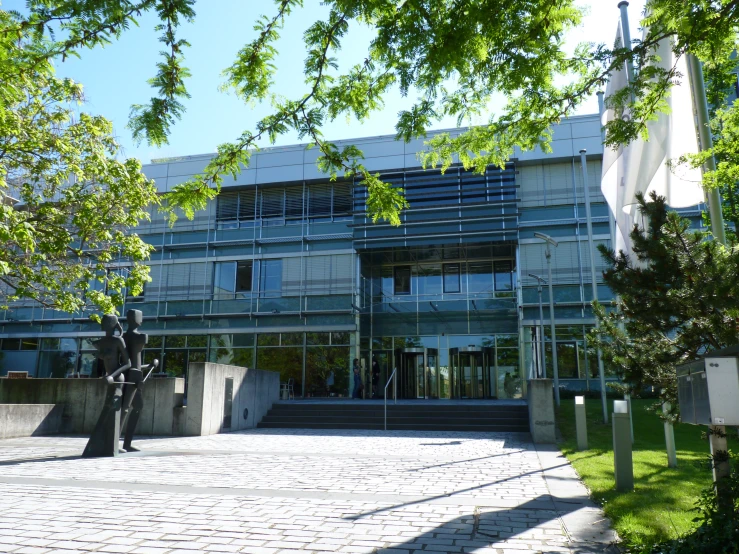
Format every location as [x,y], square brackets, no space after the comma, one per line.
[327,371]
[402,280]
[224,280]
[451,278]
[480,277]
[504,276]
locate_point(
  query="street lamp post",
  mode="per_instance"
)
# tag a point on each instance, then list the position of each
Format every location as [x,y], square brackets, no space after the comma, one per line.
[555,366]
[542,355]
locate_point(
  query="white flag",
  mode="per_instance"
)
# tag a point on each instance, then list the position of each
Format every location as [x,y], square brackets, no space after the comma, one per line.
[614,164]
[642,166]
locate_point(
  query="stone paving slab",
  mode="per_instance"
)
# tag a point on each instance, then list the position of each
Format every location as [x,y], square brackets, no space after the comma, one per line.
[297,491]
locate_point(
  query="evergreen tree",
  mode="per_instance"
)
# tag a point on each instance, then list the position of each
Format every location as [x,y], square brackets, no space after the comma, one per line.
[677,299]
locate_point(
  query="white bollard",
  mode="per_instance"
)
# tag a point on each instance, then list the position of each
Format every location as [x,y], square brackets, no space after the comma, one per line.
[581,423]
[669,438]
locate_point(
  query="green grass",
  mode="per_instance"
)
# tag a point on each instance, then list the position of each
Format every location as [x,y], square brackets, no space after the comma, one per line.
[660,507]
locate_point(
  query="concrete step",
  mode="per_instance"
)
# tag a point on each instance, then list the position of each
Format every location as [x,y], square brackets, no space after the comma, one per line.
[397,420]
[426,417]
[398,427]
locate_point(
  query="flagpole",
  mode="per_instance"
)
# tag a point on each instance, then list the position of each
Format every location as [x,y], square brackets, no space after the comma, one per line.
[706,142]
[626,34]
[601,110]
[591,248]
[717,436]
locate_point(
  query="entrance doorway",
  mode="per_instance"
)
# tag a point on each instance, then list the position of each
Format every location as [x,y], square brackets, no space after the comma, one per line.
[418,372]
[473,372]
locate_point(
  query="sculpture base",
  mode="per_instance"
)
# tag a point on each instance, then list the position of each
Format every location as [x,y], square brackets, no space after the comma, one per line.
[104,439]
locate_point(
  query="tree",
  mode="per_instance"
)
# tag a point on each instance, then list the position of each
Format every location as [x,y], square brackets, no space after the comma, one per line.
[66,202]
[454,55]
[677,299]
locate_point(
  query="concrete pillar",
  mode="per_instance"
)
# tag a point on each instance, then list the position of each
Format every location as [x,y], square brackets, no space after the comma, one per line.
[541,411]
[622,460]
[669,438]
[581,423]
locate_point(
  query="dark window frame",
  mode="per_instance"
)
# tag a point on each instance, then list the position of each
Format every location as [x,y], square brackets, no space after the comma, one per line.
[247,275]
[396,280]
[445,270]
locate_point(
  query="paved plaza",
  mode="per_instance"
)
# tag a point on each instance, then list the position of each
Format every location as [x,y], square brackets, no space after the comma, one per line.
[297,491]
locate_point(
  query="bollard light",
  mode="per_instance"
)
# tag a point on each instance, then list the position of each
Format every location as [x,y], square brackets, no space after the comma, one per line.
[620,407]
[622,457]
[581,424]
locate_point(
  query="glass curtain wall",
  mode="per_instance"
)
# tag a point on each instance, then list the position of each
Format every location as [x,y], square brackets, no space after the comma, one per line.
[443,366]
[328,358]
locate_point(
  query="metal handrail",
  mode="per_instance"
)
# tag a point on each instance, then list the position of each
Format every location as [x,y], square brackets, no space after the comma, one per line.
[395,392]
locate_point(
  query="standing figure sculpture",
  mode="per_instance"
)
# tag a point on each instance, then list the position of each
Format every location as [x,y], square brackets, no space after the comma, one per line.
[112,351]
[133,402]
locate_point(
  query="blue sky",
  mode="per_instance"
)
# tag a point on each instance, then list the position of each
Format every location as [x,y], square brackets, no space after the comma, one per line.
[115,77]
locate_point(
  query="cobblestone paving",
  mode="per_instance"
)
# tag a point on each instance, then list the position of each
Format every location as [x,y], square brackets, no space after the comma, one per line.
[281,491]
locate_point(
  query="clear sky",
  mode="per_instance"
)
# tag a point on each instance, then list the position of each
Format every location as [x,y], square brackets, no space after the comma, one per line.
[115,77]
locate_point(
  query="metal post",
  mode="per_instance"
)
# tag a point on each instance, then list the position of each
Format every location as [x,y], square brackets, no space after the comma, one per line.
[581,423]
[706,142]
[591,249]
[541,321]
[623,466]
[543,368]
[552,329]
[626,33]
[627,397]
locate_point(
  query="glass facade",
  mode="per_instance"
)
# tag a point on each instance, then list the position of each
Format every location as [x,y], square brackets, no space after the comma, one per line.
[291,275]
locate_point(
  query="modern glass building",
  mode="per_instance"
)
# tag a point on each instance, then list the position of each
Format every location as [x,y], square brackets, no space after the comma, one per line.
[284,271]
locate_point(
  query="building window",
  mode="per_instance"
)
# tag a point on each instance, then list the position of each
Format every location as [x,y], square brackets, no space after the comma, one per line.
[273,206]
[224,279]
[319,202]
[451,278]
[244,276]
[503,276]
[402,279]
[270,283]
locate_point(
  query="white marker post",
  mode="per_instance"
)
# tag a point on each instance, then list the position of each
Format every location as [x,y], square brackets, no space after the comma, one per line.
[669,438]
[581,423]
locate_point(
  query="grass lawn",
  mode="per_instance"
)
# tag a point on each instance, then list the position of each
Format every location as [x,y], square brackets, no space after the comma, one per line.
[660,506]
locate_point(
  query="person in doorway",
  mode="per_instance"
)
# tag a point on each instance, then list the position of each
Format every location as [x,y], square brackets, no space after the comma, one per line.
[329,382]
[375,378]
[357,392]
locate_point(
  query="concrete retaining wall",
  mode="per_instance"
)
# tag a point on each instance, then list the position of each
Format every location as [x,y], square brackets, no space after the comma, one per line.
[48,406]
[26,420]
[254,392]
[80,401]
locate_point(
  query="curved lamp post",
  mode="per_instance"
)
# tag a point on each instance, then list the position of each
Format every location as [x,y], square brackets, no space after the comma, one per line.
[542,355]
[549,240]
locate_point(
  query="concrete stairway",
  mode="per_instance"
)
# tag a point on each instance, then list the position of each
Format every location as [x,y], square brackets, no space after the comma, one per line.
[407,417]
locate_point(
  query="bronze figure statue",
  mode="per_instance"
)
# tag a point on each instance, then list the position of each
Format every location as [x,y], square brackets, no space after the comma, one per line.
[124,375]
[112,351]
[133,402]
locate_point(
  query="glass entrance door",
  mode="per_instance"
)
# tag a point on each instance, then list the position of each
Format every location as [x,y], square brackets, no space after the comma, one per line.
[472,372]
[417,372]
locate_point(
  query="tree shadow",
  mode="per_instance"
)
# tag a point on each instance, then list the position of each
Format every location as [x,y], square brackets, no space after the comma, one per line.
[537,523]
[464,461]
